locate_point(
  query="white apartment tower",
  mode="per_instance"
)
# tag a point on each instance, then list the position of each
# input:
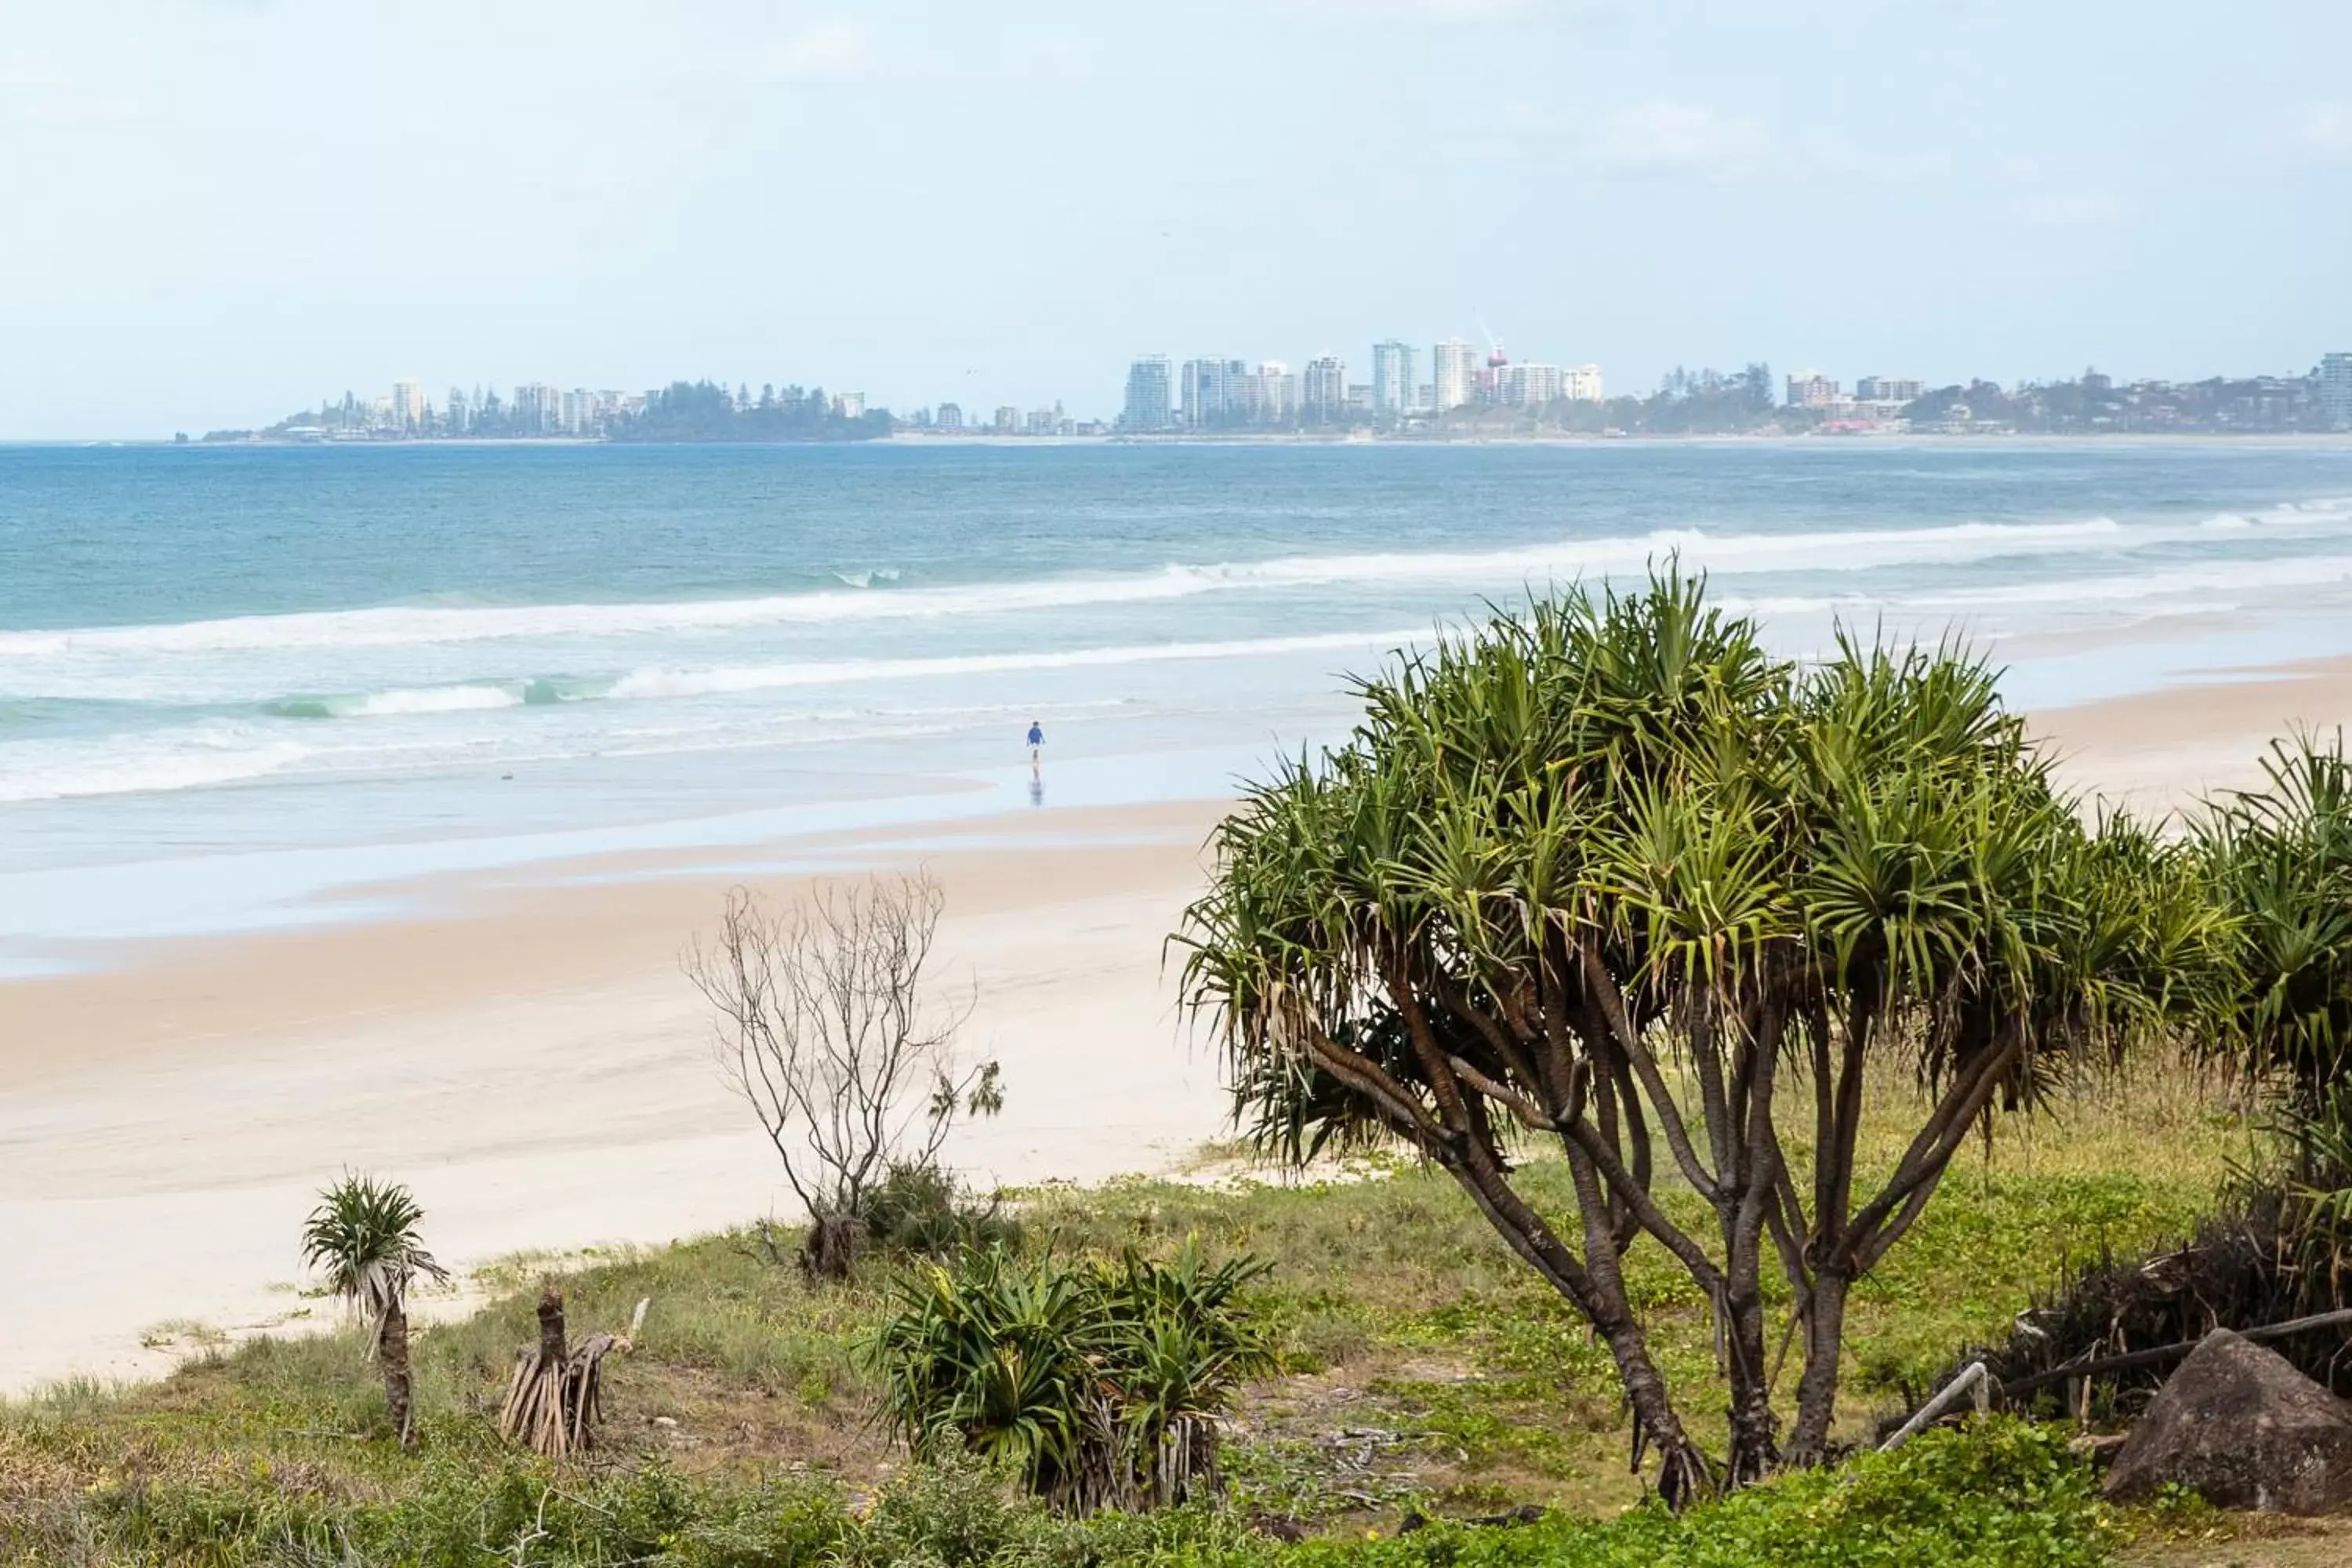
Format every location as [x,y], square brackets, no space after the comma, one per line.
[1270,394]
[1811,389]
[1393,386]
[408,405]
[1453,374]
[2335,378]
[1324,390]
[1582,384]
[1528,385]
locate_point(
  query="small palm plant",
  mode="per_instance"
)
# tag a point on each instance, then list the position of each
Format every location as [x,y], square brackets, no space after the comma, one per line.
[362,1236]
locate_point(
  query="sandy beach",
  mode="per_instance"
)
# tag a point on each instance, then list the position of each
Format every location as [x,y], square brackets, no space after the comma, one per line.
[540,1071]
[531,1061]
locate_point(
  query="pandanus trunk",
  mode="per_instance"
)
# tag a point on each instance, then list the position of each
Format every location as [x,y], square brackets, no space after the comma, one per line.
[1817,1390]
[392,1351]
[552,1350]
[1755,1447]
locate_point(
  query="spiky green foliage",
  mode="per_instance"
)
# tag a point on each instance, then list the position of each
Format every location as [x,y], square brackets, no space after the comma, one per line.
[2280,860]
[1608,873]
[364,1239]
[1098,1385]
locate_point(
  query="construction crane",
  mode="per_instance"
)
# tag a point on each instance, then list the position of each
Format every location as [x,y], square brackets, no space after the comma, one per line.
[1495,358]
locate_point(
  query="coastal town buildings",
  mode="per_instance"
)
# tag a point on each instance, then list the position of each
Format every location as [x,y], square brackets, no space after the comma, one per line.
[1470,393]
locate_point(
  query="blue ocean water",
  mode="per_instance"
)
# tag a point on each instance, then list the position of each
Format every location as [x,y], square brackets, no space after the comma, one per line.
[294,669]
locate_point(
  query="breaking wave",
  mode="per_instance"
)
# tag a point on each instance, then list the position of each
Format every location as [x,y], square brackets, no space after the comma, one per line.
[1559,562]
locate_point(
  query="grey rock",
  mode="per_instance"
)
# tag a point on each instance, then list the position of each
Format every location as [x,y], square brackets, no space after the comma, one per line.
[2243,1429]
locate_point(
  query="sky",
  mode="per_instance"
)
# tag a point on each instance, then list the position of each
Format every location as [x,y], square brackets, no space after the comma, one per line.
[215,211]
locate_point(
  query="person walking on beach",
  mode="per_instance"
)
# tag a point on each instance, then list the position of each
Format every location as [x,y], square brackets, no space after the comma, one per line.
[1036,744]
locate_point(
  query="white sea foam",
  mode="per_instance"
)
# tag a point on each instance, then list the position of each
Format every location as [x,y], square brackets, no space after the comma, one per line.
[2200,582]
[191,757]
[656,683]
[1555,563]
[436,699]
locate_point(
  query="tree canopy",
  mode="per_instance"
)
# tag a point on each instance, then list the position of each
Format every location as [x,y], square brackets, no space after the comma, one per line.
[1608,875]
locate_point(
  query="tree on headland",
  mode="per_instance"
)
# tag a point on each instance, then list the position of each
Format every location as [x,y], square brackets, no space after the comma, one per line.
[363,1236]
[827,1030]
[1608,876]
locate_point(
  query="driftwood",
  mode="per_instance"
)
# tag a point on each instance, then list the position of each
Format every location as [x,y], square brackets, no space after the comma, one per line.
[2159,1355]
[557,1393]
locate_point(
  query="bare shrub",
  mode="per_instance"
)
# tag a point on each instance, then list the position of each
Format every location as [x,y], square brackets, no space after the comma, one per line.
[825,1029]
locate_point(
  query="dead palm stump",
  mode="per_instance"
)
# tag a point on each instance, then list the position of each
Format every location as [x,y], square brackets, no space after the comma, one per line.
[556,1397]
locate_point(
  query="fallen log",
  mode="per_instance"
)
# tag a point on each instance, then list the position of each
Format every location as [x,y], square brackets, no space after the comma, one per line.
[2157,1355]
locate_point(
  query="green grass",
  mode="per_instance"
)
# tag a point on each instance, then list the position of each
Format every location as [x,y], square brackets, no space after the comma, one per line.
[1424,1367]
[2005,1495]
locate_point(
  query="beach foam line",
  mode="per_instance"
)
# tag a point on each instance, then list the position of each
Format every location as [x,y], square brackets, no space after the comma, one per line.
[660,682]
[2175,583]
[192,757]
[403,701]
[1550,563]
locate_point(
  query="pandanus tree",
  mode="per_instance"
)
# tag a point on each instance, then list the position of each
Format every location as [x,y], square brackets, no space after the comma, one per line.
[2279,860]
[2280,857]
[362,1236]
[1609,876]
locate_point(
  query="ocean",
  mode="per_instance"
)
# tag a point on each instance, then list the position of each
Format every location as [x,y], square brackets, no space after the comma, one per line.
[249,687]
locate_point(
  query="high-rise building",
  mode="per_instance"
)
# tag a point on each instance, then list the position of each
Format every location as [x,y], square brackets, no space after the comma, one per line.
[1582,384]
[1008,420]
[1147,406]
[1393,386]
[1528,385]
[1811,389]
[950,416]
[1453,374]
[1212,392]
[849,405]
[1323,391]
[457,414]
[537,408]
[408,405]
[1886,389]
[1270,393]
[2335,379]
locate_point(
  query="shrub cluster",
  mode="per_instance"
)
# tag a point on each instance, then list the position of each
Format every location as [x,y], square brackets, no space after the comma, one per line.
[1098,1385]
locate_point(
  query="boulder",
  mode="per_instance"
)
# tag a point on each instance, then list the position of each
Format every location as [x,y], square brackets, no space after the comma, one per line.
[2241,1428]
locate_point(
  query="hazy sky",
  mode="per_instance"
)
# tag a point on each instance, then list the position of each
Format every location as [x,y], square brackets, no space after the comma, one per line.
[213,213]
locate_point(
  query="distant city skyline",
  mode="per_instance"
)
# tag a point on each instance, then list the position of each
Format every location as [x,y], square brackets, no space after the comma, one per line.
[1219,397]
[219,207]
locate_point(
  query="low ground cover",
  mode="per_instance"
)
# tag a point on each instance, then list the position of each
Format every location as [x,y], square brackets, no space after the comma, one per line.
[1422,1370]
